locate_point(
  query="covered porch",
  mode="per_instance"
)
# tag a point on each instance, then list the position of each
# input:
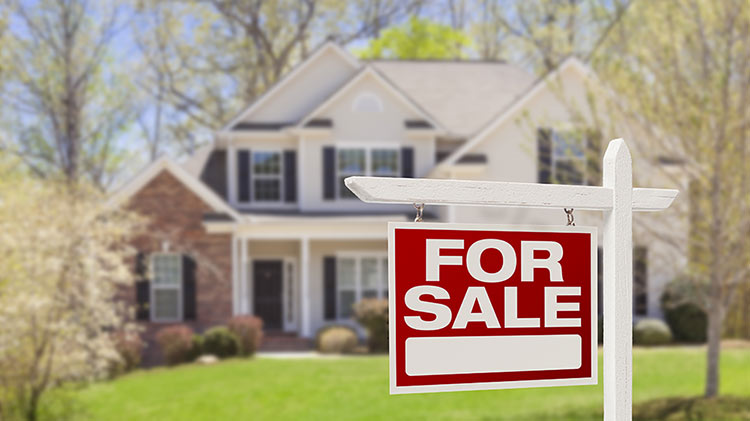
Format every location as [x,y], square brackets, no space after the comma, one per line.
[282,266]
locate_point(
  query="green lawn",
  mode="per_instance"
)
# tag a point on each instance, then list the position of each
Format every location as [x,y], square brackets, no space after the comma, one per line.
[357,388]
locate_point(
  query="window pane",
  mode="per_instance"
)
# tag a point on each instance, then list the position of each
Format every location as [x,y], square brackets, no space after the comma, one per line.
[267,163]
[568,172]
[568,144]
[346,304]
[384,277]
[384,162]
[346,276]
[352,161]
[369,269]
[167,269]
[370,293]
[166,303]
[267,190]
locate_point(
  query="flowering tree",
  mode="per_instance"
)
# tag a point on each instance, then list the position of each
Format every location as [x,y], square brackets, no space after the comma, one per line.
[63,256]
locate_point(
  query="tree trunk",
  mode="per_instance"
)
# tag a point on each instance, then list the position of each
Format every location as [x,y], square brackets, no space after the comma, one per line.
[714,349]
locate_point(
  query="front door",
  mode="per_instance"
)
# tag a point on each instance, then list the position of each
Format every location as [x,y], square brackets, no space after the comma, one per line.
[267,287]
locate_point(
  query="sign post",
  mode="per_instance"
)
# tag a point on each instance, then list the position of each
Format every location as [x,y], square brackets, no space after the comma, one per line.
[616,198]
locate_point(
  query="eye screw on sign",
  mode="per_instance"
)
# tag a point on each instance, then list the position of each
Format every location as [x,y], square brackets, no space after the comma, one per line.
[476,307]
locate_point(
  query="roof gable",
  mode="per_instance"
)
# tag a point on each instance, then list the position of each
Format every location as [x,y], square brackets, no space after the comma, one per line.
[370,73]
[514,108]
[462,95]
[301,89]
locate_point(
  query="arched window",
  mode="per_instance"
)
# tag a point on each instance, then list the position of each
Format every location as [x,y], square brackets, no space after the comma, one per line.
[367,102]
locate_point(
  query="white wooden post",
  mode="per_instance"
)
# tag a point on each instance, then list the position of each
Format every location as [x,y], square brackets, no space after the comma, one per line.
[305,281]
[616,197]
[618,284]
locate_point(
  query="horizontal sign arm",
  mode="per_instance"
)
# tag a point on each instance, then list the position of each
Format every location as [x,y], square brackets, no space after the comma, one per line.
[500,193]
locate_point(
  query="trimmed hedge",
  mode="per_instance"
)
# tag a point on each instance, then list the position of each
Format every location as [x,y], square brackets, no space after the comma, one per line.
[688,322]
[372,314]
[249,333]
[651,332]
[221,342]
[336,340]
[176,343]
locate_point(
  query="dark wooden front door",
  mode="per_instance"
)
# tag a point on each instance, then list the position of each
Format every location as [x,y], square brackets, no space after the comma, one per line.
[267,282]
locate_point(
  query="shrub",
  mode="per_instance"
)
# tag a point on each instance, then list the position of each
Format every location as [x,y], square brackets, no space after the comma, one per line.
[651,332]
[197,349]
[687,321]
[372,314]
[336,340]
[220,341]
[129,346]
[176,343]
[249,333]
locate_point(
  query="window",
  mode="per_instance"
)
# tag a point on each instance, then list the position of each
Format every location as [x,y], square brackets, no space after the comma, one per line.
[568,157]
[350,162]
[367,102]
[381,162]
[267,176]
[360,277]
[166,287]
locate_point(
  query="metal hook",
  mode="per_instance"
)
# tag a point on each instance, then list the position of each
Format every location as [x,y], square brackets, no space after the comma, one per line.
[420,209]
[570,217]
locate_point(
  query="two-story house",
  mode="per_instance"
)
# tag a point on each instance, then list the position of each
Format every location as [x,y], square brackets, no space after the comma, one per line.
[260,221]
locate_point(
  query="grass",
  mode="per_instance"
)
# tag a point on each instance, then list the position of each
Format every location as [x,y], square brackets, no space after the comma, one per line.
[357,388]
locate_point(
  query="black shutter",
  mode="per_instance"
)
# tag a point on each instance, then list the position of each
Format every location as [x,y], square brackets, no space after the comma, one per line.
[600,281]
[188,288]
[329,173]
[544,155]
[329,287]
[407,162]
[243,175]
[290,176]
[142,287]
[593,158]
[640,280]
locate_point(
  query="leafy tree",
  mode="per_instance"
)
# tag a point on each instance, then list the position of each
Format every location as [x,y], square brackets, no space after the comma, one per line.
[64,255]
[206,60]
[419,39]
[65,101]
[681,72]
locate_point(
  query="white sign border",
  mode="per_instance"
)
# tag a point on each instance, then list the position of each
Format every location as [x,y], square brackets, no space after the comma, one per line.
[514,384]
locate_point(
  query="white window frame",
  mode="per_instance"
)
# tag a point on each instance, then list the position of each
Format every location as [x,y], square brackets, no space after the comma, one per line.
[368,149]
[579,162]
[358,256]
[154,286]
[254,177]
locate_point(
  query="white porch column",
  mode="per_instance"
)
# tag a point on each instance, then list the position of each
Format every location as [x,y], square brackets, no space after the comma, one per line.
[305,284]
[244,290]
[235,277]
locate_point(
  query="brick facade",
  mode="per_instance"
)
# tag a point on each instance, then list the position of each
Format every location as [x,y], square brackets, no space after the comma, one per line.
[175,217]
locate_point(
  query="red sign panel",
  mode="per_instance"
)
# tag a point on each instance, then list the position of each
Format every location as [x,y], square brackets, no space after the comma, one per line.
[477,307]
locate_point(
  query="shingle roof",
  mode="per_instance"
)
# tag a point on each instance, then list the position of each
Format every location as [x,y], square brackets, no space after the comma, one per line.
[462,95]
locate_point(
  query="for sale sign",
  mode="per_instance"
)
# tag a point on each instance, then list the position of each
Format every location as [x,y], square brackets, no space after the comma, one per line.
[477,307]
